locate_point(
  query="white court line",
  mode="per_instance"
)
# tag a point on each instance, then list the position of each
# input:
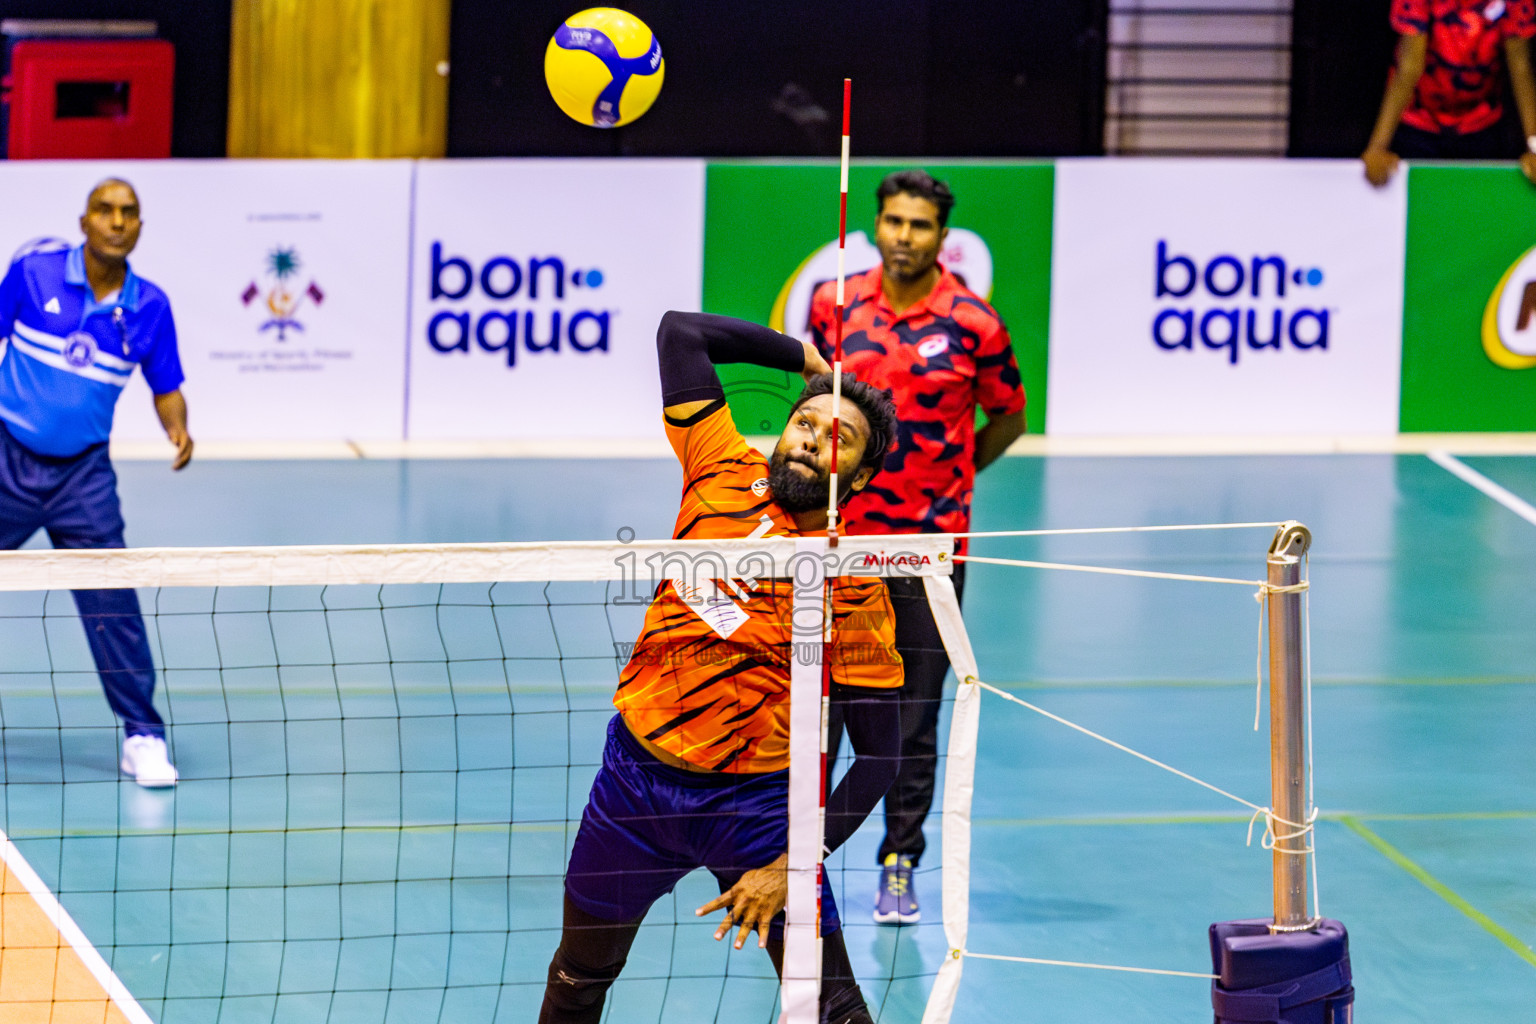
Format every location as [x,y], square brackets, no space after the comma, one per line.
[60,919]
[1451,464]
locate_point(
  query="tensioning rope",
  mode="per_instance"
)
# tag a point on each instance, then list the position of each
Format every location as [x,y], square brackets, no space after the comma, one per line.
[1108,571]
[1096,967]
[1272,836]
[1268,841]
[1120,529]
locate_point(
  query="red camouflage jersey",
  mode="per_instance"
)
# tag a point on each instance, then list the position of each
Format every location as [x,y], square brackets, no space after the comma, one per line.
[944,357]
[1460,91]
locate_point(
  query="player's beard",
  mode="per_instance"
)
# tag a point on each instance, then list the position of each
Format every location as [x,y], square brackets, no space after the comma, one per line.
[919,263]
[793,490]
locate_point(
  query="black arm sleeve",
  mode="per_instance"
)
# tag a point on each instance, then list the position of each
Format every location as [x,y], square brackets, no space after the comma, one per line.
[873,721]
[690,345]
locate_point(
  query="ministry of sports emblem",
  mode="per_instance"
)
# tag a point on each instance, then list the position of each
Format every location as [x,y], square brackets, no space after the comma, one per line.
[283,297]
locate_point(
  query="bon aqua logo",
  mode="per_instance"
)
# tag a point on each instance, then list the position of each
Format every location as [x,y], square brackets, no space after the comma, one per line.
[1233,304]
[505,305]
[1509,337]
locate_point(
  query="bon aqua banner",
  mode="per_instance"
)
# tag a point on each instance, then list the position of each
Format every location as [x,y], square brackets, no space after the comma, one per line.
[770,237]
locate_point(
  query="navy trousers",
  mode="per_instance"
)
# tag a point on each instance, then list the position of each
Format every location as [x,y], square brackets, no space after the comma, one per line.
[75,500]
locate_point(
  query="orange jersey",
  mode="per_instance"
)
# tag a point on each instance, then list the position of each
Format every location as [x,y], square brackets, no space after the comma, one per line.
[708,680]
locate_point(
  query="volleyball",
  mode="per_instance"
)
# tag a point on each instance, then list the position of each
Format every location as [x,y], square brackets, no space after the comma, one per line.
[604,67]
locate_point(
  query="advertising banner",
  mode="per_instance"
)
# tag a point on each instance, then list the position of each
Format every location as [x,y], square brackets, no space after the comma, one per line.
[536,289]
[286,279]
[1469,342]
[1225,297]
[770,237]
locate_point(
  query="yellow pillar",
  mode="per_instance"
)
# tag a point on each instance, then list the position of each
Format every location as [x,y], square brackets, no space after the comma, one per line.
[338,78]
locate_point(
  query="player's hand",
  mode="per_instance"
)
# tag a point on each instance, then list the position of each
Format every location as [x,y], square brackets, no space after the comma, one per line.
[753,902]
[1380,164]
[814,364]
[1528,166]
[183,442]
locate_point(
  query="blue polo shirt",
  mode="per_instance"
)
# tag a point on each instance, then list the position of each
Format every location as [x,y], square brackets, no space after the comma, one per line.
[65,358]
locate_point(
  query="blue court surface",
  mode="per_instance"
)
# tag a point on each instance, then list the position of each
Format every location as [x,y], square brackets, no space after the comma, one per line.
[340,848]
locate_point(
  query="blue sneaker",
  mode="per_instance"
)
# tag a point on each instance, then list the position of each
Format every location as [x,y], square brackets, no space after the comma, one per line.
[895,900]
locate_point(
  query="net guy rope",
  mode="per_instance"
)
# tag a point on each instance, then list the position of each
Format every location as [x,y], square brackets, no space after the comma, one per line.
[1281,600]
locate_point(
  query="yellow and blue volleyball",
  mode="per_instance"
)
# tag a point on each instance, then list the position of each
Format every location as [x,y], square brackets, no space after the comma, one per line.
[604,67]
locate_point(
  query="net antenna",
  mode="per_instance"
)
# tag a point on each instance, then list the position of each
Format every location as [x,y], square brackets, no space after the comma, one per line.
[837,319]
[802,952]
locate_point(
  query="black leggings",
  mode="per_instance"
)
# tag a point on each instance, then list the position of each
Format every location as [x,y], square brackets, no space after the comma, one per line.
[926,664]
[592,953]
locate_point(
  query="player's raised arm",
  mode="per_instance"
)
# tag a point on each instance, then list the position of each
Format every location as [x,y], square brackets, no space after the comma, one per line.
[690,345]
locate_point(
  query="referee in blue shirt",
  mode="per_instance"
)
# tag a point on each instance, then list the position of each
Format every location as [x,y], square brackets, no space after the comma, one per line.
[73,325]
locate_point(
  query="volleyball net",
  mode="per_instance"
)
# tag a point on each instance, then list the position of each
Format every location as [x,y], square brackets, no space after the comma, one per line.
[384,756]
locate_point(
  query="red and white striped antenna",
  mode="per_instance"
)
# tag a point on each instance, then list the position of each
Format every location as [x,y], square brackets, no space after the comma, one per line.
[837,333]
[827,601]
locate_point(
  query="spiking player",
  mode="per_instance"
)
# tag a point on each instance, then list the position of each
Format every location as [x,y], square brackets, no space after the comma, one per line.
[695,770]
[78,322]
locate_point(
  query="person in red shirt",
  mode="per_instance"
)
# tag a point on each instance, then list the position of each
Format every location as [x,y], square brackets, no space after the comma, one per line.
[1444,98]
[912,326]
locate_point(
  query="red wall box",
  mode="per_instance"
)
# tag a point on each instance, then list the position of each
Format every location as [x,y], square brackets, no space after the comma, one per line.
[83,98]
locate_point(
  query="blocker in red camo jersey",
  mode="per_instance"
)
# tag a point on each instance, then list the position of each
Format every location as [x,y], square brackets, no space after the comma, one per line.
[1461,90]
[913,327]
[943,357]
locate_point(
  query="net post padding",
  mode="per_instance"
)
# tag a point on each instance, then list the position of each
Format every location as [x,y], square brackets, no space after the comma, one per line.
[959,787]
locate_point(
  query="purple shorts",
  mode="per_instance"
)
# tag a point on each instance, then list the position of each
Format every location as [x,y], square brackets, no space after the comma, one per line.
[647,824]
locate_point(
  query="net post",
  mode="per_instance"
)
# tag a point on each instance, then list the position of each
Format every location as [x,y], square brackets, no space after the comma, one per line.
[1287,727]
[1291,968]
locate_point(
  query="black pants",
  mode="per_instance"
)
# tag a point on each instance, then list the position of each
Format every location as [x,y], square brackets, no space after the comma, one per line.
[1491,143]
[922,694]
[593,951]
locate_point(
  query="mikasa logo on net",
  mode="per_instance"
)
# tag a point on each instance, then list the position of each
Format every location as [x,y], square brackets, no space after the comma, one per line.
[506,304]
[1233,303]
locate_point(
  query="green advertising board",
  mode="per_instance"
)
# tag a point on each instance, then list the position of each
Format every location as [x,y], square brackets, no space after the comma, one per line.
[1469,299]
[764,222]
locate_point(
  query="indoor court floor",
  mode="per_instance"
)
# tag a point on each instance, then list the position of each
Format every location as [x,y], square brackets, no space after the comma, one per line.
[1423,633]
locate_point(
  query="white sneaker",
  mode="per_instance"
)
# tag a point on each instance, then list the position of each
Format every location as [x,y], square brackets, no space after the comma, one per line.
[145,759]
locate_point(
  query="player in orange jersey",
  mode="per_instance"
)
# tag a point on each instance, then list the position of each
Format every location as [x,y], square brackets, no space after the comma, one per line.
[695,770]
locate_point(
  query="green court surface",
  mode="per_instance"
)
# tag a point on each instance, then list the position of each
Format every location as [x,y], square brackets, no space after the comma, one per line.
[340,849]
